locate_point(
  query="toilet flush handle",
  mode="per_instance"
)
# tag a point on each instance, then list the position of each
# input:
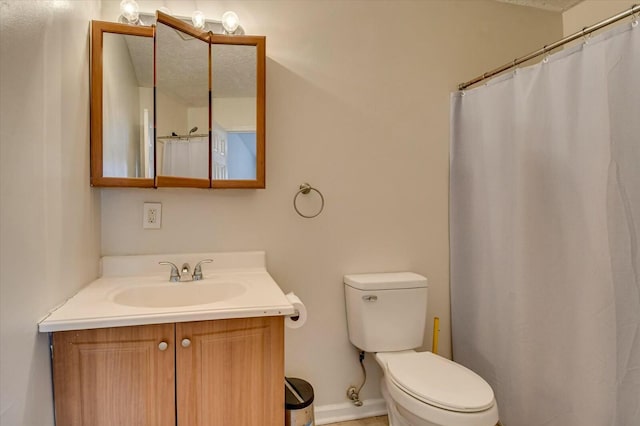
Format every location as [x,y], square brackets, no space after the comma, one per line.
[369,298]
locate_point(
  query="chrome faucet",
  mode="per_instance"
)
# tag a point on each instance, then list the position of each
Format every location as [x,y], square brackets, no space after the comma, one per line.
[175,275]
[184,272]
[184,275]
[197,271]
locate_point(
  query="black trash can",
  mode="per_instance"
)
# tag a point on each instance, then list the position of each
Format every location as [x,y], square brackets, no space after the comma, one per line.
[298,402]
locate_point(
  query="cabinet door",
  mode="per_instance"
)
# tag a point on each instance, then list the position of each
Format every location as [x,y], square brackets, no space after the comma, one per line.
[230,372]
[182,100]
[115,376]
[122,107]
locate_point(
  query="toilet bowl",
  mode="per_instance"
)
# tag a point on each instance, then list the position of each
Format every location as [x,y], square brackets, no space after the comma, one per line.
[386,315]
[423,389]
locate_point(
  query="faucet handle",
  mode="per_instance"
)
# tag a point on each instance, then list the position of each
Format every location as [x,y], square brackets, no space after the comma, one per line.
[175,275]
[197,270]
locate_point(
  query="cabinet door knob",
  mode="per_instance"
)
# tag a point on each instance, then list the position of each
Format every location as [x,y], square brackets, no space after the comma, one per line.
[186,343]
[163,346]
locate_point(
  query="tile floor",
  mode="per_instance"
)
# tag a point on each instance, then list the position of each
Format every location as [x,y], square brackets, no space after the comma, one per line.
[371,421]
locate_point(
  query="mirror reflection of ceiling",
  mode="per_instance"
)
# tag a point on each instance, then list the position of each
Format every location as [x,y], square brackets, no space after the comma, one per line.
[141,52]
[183,63]
[182,66]
[234,71]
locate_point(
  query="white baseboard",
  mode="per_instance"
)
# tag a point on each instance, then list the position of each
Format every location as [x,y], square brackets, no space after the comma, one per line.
[333,413]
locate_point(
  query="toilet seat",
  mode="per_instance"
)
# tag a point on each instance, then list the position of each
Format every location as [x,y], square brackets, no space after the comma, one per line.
[436,381]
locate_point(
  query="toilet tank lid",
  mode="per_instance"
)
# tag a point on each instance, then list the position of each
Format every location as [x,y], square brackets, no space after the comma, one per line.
[385,281]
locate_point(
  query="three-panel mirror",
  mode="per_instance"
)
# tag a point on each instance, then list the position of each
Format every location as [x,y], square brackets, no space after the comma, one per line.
[190,115]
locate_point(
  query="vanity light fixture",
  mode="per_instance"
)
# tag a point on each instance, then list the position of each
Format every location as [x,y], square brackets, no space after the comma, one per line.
[198,20]
[129,10]
[230,23]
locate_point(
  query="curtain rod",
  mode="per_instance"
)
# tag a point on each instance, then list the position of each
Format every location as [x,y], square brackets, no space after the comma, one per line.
[546,49]
[193,135]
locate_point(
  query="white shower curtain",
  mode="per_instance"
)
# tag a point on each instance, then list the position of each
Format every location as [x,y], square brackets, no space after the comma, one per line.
[186,158]
[545,222]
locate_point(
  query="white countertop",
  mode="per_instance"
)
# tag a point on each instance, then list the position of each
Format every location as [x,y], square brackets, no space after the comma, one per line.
[94,306]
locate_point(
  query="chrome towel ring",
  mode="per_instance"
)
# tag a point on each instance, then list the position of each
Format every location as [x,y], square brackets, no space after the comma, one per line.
[305,188]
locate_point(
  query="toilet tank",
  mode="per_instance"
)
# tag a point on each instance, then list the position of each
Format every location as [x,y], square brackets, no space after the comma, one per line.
[386,311]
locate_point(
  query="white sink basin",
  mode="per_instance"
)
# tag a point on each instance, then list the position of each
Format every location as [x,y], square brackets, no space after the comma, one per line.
[179,294]
[135,290]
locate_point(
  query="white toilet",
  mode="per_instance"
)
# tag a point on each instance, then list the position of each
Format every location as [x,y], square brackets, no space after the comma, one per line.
[386,314]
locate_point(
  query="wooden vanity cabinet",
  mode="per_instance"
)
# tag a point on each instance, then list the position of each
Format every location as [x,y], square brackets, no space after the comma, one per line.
[115,376]
[223,372]
[232,372]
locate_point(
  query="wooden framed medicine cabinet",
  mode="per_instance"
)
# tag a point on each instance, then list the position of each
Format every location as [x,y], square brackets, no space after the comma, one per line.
[115,138]
[173,106]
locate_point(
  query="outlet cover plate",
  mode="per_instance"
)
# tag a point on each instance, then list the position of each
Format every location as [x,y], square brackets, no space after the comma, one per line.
[152,216]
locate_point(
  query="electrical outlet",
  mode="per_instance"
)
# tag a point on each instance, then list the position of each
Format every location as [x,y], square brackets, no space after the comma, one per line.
[152,216]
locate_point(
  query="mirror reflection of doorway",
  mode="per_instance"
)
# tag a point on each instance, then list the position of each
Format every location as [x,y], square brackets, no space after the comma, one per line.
[233,154]
[147,145]
[241,152]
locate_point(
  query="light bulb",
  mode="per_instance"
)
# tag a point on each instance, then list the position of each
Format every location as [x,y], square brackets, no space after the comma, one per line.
[198,19]
[230,22]
[129,9]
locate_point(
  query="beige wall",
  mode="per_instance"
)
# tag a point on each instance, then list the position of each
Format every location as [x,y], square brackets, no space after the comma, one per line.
[49,218]
[198,117]
[235,114]
[591,11]
[358,106]
[172,115]
[121,104]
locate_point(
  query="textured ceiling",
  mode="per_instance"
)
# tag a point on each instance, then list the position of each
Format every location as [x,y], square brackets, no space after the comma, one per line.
[182,67]
[553,5]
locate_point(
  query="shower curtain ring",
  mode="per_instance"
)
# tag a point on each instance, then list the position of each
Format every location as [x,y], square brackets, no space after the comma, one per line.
[545,51]
[585,37]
